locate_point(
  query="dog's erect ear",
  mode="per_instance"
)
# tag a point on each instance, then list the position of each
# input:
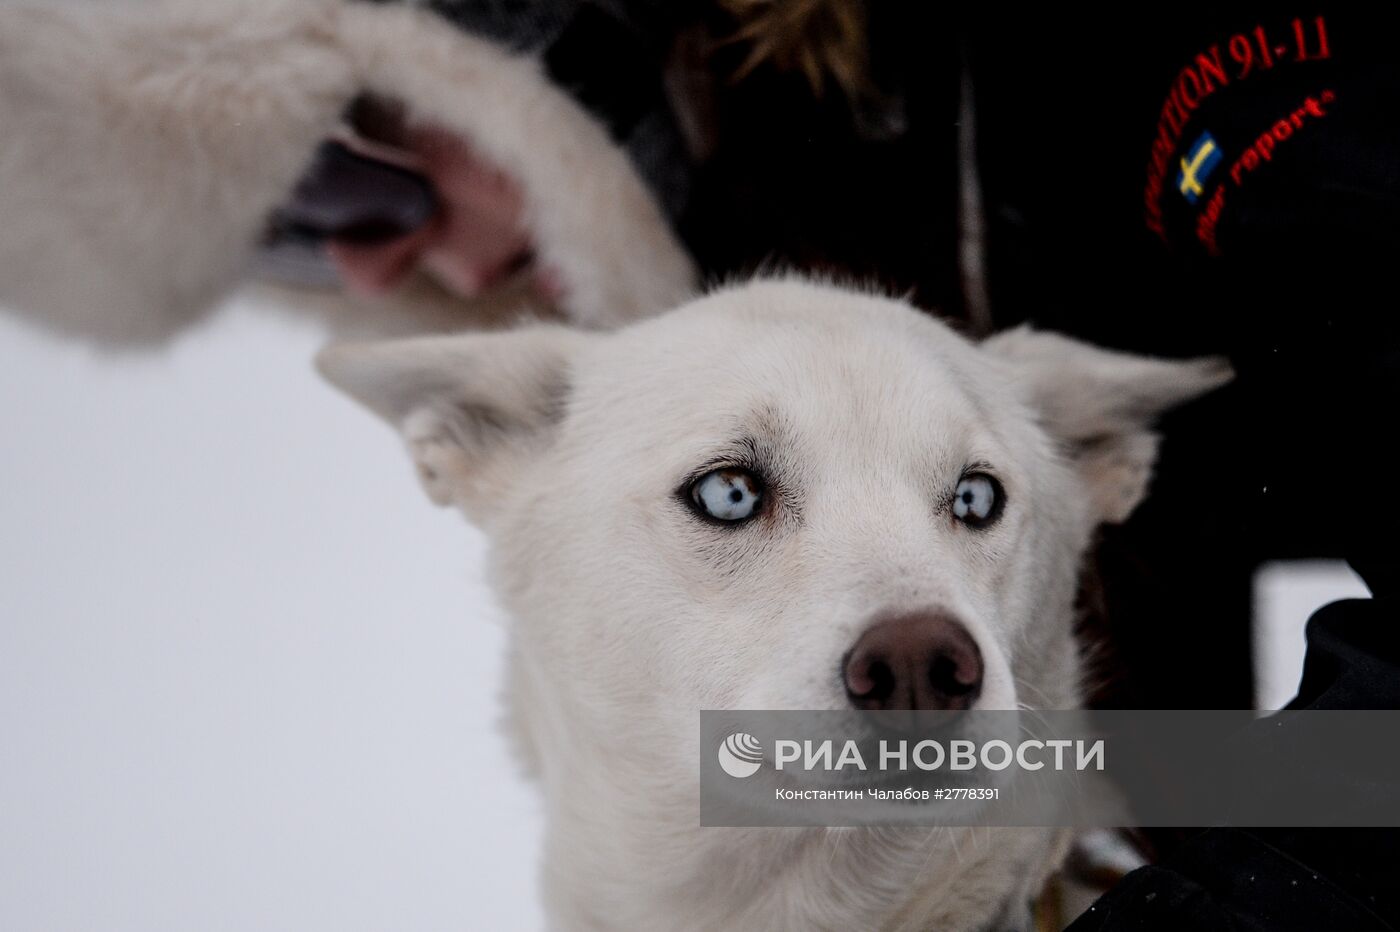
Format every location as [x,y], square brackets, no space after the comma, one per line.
[1101,405]
[469,407]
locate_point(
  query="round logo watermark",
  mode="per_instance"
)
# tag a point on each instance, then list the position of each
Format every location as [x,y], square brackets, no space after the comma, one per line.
[740,755]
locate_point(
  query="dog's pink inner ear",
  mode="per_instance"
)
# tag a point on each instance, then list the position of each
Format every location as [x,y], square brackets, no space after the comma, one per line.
[449,470]
[1101,404]
[1117,471]
[477,237]
[472,408]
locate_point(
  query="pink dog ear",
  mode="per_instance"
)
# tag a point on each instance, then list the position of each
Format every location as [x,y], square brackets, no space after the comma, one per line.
[471,408]
[1101,405]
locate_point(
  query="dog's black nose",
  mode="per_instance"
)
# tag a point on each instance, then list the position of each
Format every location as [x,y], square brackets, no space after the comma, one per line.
[922,660]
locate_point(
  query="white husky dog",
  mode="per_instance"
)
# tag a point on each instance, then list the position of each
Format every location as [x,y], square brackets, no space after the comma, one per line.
[755,501]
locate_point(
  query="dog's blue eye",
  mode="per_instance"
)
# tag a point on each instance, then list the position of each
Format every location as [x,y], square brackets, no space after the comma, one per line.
[977,500]
[727,494]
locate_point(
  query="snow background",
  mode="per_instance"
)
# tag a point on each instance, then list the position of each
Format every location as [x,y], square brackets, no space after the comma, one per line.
[248,674]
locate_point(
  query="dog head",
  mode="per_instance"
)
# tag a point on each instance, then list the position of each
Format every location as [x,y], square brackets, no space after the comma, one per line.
[783,495]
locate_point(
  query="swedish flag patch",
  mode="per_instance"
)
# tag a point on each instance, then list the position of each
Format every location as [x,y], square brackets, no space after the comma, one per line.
[1197,165]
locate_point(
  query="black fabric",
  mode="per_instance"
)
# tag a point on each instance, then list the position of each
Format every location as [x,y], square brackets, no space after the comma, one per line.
[1295,296]
[1235,881]
[1290,279]
[1282,880]
[860,192]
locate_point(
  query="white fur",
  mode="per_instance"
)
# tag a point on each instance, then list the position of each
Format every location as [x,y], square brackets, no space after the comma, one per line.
[146,142]
[630,614]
